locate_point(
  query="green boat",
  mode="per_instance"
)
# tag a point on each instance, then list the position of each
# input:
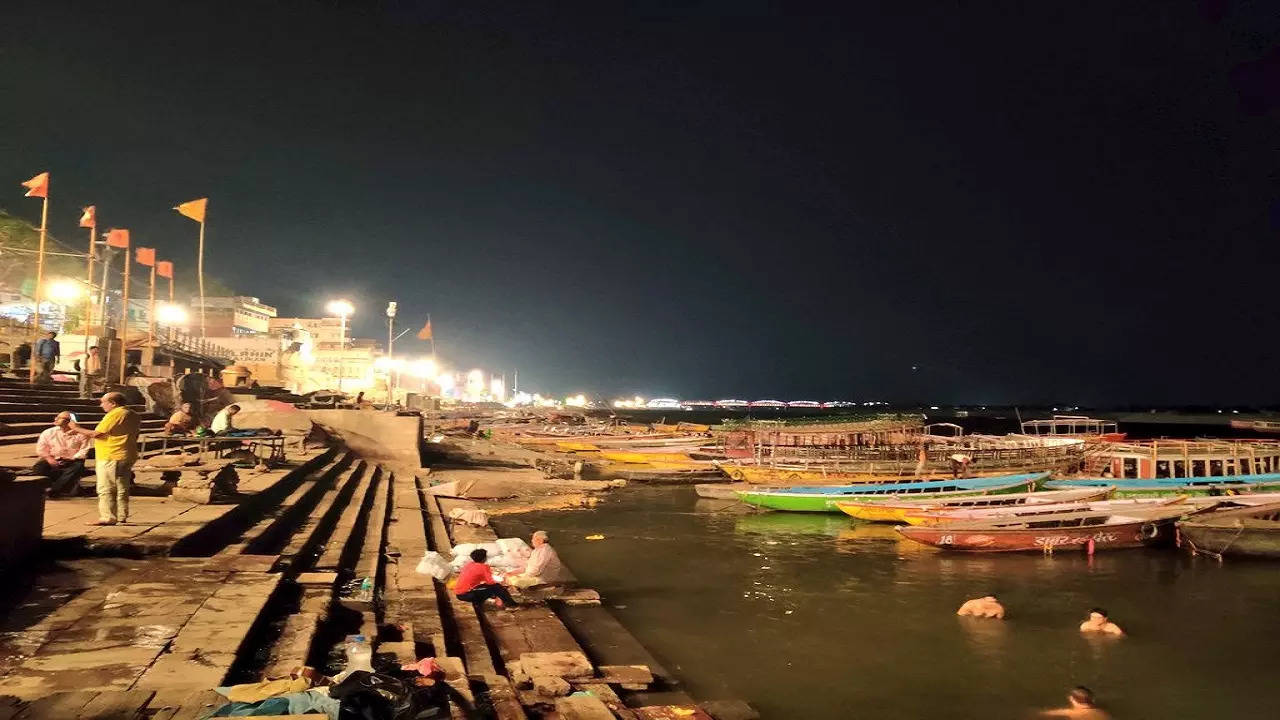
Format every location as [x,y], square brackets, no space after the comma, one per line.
[824,498]
[1164,487]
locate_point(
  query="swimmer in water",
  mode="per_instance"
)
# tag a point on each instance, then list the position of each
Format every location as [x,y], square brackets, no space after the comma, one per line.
[1080,706]
[1098,622]
[983,607]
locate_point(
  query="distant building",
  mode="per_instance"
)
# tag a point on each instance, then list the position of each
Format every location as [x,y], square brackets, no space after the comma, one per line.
[232,316]
[325,332]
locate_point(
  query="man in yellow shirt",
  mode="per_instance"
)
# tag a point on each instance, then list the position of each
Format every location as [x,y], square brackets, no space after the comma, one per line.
[115,448]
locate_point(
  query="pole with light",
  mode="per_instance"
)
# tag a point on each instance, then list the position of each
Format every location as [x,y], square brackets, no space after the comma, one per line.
[343,309]
[391,341]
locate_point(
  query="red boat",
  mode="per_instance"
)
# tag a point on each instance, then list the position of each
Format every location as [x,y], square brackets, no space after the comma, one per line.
[1097,531]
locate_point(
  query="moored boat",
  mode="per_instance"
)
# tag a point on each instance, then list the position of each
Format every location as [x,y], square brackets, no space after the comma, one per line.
[1240,532]
[1092,531]
[1155,487]
[898,511]
[805,498]
[930,517]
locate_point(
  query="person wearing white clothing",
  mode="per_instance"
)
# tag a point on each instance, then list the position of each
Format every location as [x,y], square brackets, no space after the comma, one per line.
[543,567]
[222,422]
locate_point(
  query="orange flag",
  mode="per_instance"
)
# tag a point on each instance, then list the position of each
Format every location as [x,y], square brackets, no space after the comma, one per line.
[146,256]
[118,238]
[164,269]
[38,186]
[425,332]
[90,217]
[193,209]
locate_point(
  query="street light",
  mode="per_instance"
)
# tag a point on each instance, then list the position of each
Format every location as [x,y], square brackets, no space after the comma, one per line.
[343,309]
[63,292]
[171,315]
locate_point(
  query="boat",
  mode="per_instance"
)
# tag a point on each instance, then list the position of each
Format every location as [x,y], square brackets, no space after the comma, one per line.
[1107,530]
[817,498]
[1074,426]
[1183,459]
[783,475]
[1240,532]
[719,491]
[883,511]
[1156,487]
[930,517]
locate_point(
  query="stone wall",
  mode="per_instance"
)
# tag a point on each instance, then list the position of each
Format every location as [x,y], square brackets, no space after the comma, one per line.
[376,436]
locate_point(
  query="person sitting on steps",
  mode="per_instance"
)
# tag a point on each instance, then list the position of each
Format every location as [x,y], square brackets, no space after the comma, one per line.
[475,583]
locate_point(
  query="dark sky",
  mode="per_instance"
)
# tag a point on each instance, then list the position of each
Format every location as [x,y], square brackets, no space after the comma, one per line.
[1023,200]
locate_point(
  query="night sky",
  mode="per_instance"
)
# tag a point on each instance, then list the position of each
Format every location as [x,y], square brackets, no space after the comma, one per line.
[937,201]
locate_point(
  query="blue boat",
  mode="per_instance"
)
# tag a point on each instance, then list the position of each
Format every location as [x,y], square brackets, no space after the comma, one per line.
[1154,487]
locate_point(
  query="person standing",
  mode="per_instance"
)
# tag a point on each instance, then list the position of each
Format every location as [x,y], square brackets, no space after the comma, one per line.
[62,452]
[48,352]
[115,449]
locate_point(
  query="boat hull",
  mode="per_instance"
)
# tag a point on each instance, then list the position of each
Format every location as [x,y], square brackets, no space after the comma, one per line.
[826,499]
[1232,541]
[1108,537]
[1161,487]
[906,511]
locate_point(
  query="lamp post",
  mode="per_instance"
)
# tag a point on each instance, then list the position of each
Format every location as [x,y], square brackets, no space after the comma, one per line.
[391,340]
[343,309]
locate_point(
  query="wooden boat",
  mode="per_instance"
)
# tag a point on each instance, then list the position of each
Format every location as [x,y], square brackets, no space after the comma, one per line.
[930,517]
[807,498]
[782,475]
[1156,487]
[1240,532]
[720,491]
[1093,531]
[884,511]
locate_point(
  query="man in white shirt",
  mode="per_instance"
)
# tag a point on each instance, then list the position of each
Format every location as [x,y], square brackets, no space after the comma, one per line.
[62,452]
[223,422]
[543,566]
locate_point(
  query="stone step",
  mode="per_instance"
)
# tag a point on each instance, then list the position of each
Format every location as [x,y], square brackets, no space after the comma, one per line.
[18,416]
[28,428]
[270,533]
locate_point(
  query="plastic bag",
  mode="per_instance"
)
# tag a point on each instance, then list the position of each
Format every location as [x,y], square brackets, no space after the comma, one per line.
[434,564]
[475,517]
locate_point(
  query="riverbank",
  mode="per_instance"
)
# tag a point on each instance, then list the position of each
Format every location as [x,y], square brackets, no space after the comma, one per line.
[148,622]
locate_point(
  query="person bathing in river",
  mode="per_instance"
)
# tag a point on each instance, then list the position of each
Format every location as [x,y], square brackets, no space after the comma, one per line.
[475,583]
[1098,622]
[1080,706]
[983,607]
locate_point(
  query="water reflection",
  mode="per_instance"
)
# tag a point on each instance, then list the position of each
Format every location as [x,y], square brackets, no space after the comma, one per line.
[812,615]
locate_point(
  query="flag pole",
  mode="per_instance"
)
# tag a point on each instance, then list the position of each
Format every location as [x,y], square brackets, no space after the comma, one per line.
[88,316]
[106,278]
[171,329]
[151,307]
[124,312]
[44,226]
[200,272]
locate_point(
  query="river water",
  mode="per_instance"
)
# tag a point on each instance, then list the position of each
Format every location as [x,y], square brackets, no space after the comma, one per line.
[818,616]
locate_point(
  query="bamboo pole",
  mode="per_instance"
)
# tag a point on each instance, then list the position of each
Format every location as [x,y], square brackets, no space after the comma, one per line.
[88,316]
[151,307]
[124,312]
[44,228]
[200,274]
[171,328]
